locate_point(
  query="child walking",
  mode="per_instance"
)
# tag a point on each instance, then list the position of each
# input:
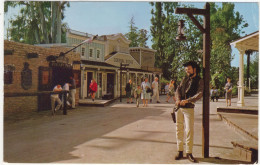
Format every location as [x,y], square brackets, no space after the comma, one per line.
[137,95]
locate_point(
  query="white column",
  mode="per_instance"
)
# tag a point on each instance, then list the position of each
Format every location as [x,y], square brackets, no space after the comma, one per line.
[241,88]
[82,83]
[127,76]
[118,86]
[98,90]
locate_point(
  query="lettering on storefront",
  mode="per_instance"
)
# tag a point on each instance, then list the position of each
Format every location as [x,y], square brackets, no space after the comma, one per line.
[119,60]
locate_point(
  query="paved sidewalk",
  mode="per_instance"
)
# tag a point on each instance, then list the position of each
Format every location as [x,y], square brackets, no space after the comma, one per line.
[119,133]
[247,122]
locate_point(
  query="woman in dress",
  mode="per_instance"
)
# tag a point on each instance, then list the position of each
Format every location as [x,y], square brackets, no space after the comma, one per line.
[172,89]
[146,92]
[228,88]
[93,89]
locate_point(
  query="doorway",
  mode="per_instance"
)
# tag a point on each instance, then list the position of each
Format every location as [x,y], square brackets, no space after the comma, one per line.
[110,83]
[89,78]
[48,78]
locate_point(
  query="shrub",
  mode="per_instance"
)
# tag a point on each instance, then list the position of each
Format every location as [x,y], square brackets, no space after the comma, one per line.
[234,90]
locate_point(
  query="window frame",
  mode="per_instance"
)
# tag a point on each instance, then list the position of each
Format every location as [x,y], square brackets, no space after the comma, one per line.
[99,53]
[91,48]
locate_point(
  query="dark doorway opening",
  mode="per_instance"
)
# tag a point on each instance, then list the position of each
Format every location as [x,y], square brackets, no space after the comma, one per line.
[49,77]
[89,78]
[110,84]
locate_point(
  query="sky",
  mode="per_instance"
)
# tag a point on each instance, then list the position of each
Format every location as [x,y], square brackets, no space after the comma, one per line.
[114,17]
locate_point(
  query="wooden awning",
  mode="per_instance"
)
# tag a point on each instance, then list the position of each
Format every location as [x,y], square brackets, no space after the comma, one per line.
[248,42]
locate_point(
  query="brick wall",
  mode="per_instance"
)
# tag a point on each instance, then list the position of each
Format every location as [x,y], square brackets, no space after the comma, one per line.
[20,104]
[17,59]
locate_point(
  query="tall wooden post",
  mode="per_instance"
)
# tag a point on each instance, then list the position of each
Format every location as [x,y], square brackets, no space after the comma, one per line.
[205,29]
[206,78]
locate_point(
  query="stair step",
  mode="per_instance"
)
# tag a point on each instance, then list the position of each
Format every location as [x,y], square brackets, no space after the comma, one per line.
[246,152]
[244,110]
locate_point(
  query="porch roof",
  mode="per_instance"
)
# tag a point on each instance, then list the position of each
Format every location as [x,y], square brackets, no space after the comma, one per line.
[248,42]
[98,63]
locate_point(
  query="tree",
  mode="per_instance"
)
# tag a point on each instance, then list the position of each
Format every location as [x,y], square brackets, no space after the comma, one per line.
[132,34]
[226,26]
[137,37]
[142,38]
[170,52]
[33,23]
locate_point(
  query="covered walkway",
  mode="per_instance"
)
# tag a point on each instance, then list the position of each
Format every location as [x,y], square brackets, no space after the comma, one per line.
[247,43]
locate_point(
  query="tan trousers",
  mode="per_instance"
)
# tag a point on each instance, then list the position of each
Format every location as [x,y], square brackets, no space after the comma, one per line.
[156,94]
[53,100]
[185,115]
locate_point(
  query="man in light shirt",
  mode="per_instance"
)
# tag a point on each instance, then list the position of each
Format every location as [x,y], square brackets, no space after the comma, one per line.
[155,87]
[55,98]
[66,88]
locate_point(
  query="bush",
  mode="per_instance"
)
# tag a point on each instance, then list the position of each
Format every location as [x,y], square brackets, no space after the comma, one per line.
[247,91]
[163,82]
[234,91]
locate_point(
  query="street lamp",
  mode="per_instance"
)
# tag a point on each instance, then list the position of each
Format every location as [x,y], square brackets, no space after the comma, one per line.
[205,30]
[181,36]
[121,67]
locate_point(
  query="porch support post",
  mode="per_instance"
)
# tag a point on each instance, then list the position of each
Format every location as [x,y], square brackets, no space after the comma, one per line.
[241,88]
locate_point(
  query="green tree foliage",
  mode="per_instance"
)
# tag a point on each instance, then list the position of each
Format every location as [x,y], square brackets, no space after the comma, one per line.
[253,68]
[171,54]
[34,23]
[226,25]
[136,36]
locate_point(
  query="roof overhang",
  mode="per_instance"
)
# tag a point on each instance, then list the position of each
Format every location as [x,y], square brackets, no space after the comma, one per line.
[248,42]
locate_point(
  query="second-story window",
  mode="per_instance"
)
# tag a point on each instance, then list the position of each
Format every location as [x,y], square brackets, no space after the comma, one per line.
[82,51]
[98,53]
[90,52]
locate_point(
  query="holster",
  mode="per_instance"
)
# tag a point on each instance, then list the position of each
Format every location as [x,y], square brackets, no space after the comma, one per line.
[188,105]
[175,109]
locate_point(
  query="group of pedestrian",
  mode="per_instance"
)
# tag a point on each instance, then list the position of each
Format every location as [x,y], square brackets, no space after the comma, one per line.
[70,87]
[146,92]
[189,91]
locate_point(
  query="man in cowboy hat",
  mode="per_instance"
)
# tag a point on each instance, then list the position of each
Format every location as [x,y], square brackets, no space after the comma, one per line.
[188,92]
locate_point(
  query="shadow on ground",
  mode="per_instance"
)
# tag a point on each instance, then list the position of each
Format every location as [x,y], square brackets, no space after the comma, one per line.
[40,138]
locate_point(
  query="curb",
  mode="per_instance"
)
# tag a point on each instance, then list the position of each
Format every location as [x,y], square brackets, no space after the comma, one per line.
[237,128]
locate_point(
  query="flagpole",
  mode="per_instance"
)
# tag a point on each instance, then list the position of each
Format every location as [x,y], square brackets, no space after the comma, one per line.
[86,41]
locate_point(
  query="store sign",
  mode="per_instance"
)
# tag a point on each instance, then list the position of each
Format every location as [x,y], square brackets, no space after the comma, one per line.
[119,60]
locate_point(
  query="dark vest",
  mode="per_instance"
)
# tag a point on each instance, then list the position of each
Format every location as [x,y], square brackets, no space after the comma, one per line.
[191,87]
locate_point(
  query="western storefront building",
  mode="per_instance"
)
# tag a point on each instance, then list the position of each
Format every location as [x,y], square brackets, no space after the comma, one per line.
[140,61]
[30,70]
[92,64]
[101,60]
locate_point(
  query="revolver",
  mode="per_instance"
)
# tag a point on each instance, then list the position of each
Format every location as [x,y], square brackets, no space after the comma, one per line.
[175,109]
